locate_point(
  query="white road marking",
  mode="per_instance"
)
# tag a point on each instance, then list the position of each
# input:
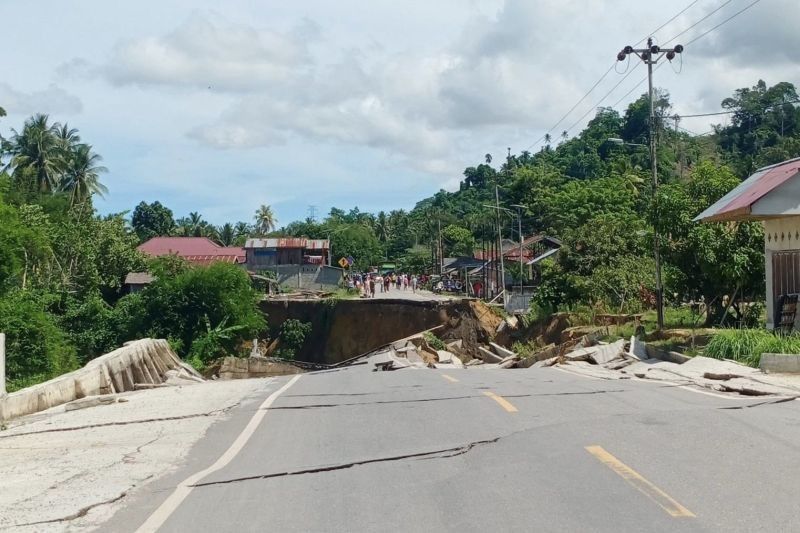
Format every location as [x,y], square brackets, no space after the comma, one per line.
[165,510]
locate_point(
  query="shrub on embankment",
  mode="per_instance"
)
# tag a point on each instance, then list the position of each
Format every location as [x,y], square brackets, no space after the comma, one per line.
[747,345]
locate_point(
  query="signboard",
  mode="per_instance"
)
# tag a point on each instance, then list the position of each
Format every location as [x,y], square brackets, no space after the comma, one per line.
[350,260]
[343,263]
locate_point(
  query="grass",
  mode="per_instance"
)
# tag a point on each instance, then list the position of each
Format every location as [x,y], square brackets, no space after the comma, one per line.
[433,341]
[746,345]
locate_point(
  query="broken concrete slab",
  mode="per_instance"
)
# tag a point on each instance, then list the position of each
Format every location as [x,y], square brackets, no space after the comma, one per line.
[580,354]
[607,352]
[637,349]
[548,352]
[545,362]
[488,356]
[501,351]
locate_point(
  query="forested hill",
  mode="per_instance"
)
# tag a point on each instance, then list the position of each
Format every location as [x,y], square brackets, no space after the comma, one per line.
[596,195]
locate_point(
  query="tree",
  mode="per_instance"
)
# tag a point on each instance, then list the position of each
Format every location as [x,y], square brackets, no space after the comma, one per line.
[152,220]
[265,220]
[458,241]
[37,155]
[81,174]
[226,234]
[359,242]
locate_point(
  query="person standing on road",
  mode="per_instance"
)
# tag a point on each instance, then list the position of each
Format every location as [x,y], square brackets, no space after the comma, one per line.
[414,282]
[372,286]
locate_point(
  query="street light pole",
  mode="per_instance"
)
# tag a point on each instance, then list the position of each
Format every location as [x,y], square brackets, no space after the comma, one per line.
[650,56]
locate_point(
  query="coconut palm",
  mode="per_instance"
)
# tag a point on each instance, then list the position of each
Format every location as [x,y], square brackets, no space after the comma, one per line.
[381,227]
[564,135]
[67,137]
[81,174]
[488,159]
[265,220]
[36,153]
[226,234]
[547,139]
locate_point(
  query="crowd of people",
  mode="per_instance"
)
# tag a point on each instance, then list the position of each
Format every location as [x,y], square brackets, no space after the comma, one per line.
[370,283]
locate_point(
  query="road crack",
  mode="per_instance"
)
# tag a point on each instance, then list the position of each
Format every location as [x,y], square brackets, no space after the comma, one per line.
[439,453]
[126,423]
[80,513]
[770,402]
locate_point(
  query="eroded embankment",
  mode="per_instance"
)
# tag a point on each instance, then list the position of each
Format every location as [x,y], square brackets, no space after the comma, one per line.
[342,329]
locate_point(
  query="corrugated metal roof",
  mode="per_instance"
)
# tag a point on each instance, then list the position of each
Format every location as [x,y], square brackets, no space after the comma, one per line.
[736,205]
[139,278]
[288,242]
[181,246]
[208,259]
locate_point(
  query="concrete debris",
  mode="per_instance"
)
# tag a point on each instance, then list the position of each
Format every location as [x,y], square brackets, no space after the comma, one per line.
[488,356]
[499,350]
[545,354]
[545,362]
[146,361]
[637,349]
[608,352]
[447,359]
[90,401]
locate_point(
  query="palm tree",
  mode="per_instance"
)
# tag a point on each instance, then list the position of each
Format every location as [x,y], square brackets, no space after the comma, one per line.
[564,135]
[265,220]
[36,153]
[67,137]
[488,159]
[81,175]
[226,234]
[547,139]
[381,227]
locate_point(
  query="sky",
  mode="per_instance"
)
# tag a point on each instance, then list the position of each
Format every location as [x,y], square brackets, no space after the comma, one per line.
[221,107]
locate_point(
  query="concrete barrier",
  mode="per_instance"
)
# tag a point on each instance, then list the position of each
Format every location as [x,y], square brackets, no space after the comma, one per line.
[780,363]
[255,367]
[145,361]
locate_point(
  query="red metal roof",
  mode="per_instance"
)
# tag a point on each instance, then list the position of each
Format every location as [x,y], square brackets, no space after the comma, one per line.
[195,249]
[737,204]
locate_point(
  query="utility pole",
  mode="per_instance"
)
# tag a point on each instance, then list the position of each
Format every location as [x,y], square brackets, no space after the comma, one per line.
[500,245]
[519,226]
[651,55]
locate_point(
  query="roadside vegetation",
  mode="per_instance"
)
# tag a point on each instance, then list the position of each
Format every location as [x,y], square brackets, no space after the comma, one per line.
[63,264]
[746,345]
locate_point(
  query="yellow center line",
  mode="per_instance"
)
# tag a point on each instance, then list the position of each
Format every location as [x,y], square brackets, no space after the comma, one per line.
[505,404]
[450,378]
[664,500]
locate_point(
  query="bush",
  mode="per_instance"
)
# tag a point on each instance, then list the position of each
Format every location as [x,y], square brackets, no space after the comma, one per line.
[433,341]
[189,305]
[37,349]
[747,345]
[293,335]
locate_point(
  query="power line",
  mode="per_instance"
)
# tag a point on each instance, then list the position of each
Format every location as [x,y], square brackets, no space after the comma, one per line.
[732,111]
[678,14]
[605,74]
[603,98]
[699,21]
[748,6]
[635,86]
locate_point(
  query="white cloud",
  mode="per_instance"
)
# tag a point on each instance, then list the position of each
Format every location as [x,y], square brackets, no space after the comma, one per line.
[51,100]
[208,52]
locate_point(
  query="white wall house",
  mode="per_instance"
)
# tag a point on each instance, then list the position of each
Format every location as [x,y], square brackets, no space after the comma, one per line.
[771,195]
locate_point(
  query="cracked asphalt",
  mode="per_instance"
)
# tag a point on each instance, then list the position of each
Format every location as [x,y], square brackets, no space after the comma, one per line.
[412,450]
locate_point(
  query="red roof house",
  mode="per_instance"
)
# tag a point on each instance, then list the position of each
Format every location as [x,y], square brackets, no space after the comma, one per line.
[199,250]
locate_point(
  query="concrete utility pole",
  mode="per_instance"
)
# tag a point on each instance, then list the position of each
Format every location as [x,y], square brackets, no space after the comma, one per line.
[519,226]
[650,56]
[500,245]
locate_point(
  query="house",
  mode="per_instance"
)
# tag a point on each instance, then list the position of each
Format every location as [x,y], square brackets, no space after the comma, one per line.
[197,250]
[271,252]
[136,281]
[772,196]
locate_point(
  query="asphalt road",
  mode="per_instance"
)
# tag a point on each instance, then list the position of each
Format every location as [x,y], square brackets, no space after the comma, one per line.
[484,450]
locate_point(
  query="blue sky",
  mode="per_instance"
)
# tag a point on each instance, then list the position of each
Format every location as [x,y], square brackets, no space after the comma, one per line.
[347,103]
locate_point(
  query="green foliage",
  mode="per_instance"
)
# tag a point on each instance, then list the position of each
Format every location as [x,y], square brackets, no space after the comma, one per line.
[36,348]
[433,341]
[747,345]
[152,220]
[195,301]
[293,334]
[458,241]
[214,342]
